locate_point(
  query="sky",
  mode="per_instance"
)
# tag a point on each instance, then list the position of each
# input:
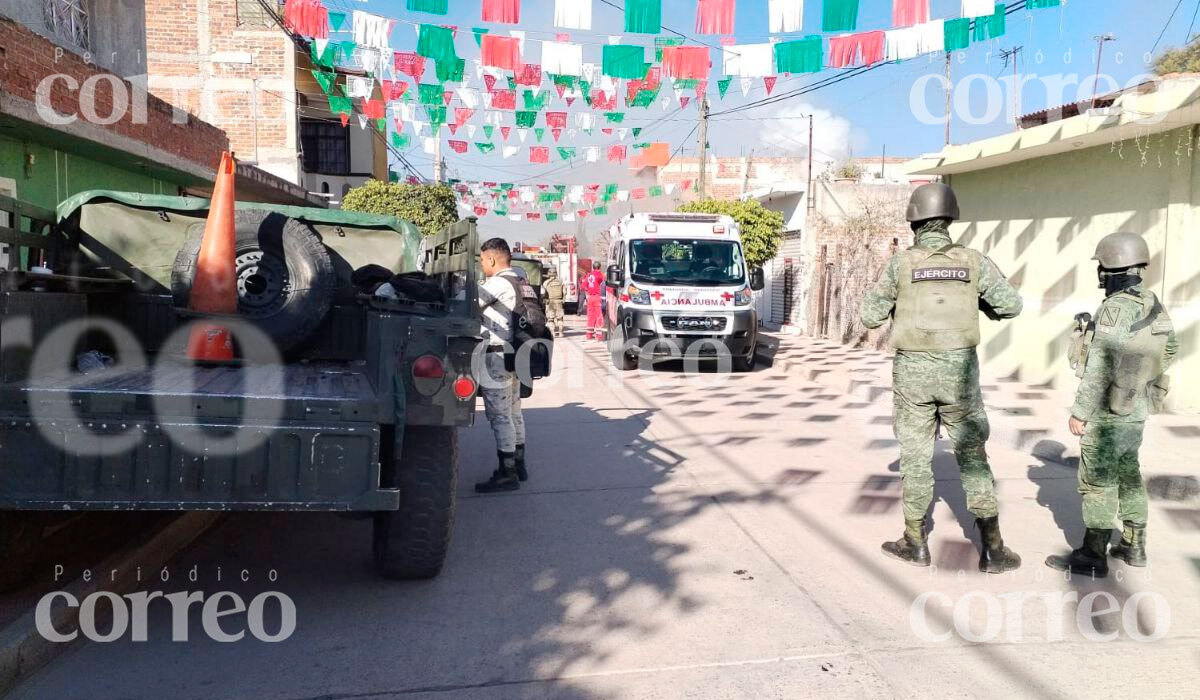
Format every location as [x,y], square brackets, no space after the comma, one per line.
[863,116]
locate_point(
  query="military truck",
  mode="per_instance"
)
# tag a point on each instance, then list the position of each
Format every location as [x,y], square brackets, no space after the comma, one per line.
[339,399]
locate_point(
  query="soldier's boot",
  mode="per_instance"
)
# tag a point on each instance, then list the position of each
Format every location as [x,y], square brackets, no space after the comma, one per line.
[1132,547]
[994,557]
[912,547]
[519,462]
[504,478]
[1091,559]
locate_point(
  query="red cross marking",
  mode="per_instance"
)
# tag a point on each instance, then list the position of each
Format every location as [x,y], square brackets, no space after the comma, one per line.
[726,296]
[656,295]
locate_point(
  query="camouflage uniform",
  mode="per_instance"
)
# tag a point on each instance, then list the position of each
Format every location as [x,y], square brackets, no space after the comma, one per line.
[1110,479]
[928,386]
[552,291]
[501,395]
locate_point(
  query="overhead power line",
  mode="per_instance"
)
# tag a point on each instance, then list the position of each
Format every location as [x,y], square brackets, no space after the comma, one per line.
[1011,8]
[298,41]
[1166,24]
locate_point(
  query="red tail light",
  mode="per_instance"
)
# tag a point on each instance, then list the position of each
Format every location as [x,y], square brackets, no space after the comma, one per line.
[428,367]
[464,387]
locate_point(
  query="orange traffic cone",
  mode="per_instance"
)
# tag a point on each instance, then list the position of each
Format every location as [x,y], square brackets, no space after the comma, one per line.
[214,287]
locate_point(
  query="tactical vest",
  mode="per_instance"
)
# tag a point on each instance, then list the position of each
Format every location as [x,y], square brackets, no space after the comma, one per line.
[937,307]
[1137,372]
[554,289]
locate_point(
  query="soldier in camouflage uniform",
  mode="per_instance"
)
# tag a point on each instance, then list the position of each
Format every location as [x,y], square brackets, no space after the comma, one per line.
[933,292]
[1120,358]
[498,296]
[552,297]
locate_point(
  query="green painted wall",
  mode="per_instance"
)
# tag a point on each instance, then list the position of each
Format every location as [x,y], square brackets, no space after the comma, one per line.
[56,174]
[1040,220]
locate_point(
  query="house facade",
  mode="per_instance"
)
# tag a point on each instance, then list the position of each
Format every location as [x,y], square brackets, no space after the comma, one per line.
[1038,200]
[230,63]
[76,114]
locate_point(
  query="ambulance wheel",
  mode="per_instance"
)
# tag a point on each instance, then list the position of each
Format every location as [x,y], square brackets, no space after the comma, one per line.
[621,359]
[411,543]
[745,363]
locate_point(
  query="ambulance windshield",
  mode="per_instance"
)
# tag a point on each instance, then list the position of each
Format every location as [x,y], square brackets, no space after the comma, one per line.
[686,261]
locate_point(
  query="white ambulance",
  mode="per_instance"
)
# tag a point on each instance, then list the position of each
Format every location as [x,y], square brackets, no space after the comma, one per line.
[679,287]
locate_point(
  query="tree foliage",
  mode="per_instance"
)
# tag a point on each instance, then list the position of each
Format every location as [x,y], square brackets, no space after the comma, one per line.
[1185,59]
[430,208]
[761,228]
[849,170]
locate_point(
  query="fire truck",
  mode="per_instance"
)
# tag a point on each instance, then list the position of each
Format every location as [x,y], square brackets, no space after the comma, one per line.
[561,255]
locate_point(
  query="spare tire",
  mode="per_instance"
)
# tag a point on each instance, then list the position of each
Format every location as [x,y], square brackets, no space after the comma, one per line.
[285,278]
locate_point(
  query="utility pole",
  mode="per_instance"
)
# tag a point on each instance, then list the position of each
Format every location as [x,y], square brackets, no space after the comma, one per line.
[809,194]
[883,164]
[703,139]
[439,165]
[1011,55]
[746,174]
[1100,39]
[948,91]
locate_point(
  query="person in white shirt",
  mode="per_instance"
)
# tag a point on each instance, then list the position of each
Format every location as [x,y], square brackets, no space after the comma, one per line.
[501,393]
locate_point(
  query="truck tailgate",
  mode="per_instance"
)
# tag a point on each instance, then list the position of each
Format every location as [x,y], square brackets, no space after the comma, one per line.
[295,437]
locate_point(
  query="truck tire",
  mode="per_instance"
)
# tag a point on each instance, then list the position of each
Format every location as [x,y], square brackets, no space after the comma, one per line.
[19,537]
[411,543]
[620,359]
[285,278]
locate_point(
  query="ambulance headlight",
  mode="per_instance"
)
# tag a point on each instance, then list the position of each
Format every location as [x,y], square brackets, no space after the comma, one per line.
[637,295]
[743,297]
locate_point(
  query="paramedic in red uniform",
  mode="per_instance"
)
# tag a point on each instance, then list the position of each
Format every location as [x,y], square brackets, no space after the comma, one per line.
[593,284]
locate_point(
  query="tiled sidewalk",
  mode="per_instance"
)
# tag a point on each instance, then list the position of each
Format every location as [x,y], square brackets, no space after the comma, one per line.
[1023,417]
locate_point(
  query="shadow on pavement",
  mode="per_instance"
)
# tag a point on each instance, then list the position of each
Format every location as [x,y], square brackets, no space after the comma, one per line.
[540,585]
[1056,493]
[74,542]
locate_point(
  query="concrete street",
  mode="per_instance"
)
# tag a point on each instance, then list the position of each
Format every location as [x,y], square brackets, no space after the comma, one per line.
[705,536]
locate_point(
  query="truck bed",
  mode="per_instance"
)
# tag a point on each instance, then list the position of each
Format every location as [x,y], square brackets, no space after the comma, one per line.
[309,440]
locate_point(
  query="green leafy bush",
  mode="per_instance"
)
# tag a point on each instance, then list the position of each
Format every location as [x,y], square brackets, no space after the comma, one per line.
[429,207]
[761,228]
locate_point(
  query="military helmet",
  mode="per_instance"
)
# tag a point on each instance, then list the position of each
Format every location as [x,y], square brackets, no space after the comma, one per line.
[1120,250]
[932,201]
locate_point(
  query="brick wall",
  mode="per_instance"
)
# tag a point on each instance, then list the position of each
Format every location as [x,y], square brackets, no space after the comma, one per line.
[195,61]
[727,177]
[27,58]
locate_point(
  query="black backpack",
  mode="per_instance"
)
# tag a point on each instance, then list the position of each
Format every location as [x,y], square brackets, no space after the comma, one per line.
[530,335]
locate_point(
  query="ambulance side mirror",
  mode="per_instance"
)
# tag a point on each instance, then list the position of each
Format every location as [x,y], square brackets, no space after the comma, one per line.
[614,278]
[757,279]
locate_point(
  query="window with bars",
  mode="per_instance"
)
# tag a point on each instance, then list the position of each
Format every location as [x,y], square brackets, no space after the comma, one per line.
[326,147]
[68,19]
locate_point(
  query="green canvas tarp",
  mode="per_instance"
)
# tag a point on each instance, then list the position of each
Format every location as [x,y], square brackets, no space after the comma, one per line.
[138,235]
